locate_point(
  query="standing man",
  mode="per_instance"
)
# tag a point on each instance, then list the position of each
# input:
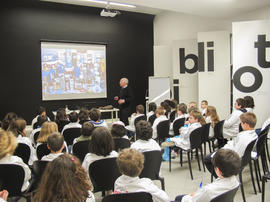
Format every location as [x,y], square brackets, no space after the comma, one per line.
[124,100]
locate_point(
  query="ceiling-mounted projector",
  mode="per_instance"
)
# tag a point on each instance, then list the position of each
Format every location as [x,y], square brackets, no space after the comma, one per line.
[109,12]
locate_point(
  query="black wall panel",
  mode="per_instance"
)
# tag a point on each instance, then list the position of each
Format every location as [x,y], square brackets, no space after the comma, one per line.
[23,23]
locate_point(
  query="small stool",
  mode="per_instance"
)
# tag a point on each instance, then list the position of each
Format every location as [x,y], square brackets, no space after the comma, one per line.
[264,178]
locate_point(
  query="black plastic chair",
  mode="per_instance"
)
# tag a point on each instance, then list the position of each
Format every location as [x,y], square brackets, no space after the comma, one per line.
[11,178]
[152,162]
[38,170]
[218,134]
[226,197]
[195,143]
[36,136]
[260,150]
[152,119]
[61,124]
[103,174]
[80,149]
[70,134]
[130,197]
[205,136]
[264,179]
[178,124]
[172,116]
[23,151]
[163,129]
[246,159]
[42,150]
[139,118]
[121,143]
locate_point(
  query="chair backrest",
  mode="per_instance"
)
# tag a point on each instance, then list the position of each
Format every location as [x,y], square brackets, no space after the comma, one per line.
[172,116]
[121,143]
[11,178]
[163,128]
[218,129]
[36,136]
[152,118]
[23,151]
[139,118]
[130,197]
[61,124]
[38,170]
[246,158]
[35,126]
[103,174]
[195,138]
[152,162]
[70,134]
[178,124]
[80,149]
[205,132]
[226,197]
[260,143]
[42,150]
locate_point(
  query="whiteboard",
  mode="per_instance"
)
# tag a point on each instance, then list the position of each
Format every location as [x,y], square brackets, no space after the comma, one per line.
[159,89]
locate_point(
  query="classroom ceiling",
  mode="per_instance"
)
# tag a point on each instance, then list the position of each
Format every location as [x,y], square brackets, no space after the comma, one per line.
[221,9]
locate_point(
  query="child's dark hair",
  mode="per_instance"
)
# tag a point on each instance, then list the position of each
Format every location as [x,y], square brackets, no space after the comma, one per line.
[152,107]
[140,109]
[64,179]
[130,162]
[249,102]
[101,142]
[241,102]
[144,130]
[118,130]
[83,114]
[95,114]
[55,141]
[228,162]
[182,107]
[73,117]
[7,119]
[61,115]
[41,119]
[87,129]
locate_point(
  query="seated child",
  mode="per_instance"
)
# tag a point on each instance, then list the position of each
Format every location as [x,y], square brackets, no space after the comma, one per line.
[40,120]
[231,124]
[86,132]
[204,105]
[211,117]
[227,164]
[101,146]
[160,113]
[195,121]
[139,112]
[181,113]
[151,109]
[118,130]
[240,143]
[40,112]
[83,115]
[55,144]
[130,162]
[95,115]
[8,144]
[64,179]
[145,142]
[249,103]
[74,122]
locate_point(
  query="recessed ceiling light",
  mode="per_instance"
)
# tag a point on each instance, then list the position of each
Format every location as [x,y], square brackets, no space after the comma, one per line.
[112,3]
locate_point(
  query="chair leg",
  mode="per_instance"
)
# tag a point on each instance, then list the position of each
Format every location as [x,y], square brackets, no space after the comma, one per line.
[242,186]
[204,148]
[198,159]
[181,157]
[170,159]
[162,183]
[257,175]
[189,164]
[267,151]
[252,177]
[209,144]
[263,188]
[202,160]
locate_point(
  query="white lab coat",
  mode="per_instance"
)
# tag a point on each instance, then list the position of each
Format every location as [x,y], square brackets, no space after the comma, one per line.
[131,126]
[125,184]
[210,191]
[50,157]
[27,141]
[145,145]
[266,123]
[211,129]
[183,141]
[241,141]
[149,114]
[231,125]
[8,159]
[171,125]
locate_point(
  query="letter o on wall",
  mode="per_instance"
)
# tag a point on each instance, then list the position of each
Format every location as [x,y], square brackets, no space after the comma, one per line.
[247,69]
